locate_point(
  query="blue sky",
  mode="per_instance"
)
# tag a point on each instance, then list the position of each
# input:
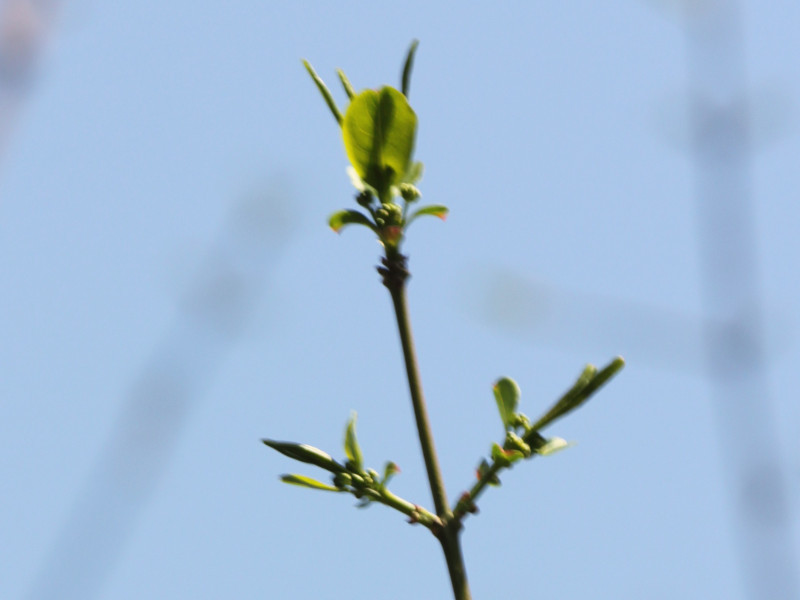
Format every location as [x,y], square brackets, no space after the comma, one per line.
[172,294]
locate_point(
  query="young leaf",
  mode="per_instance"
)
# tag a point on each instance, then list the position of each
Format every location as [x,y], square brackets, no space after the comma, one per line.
[326,93]
[553,445]
[304,481]
[351,447]
[436,210]
[388,472]
[379,129]
[349,217]
[307,454]
[405,82]
[505,457]
[348,89]
[506,393]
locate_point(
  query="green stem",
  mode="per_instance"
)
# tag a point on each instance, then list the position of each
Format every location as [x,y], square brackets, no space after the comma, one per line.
[395,276]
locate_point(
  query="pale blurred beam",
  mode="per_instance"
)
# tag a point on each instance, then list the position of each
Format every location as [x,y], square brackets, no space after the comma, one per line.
[731,287]
[214,313]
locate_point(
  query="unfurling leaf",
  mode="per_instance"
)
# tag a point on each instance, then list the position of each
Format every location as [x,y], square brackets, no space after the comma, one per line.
[506,393]
[307,454]
[304,481]
[389,471]
[326,93]
[351,447]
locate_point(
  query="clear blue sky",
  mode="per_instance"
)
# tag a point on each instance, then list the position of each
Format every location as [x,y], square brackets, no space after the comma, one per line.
[171,294]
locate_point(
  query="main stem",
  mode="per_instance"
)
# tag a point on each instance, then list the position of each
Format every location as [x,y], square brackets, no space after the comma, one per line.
[395,275]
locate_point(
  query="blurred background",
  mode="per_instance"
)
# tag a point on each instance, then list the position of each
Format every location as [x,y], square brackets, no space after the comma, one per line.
[622,179]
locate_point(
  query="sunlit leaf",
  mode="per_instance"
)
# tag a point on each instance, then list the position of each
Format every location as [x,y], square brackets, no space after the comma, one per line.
[351,447]
[326,93]
[307,454]
[304,481]
[552,446]
[349,217]
[506,393]
[379,129]
[436,210]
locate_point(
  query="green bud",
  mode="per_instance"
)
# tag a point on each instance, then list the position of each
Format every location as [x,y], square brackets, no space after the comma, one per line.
[514,442]
[342,480]
[389,215]
[409,192]
[306,454]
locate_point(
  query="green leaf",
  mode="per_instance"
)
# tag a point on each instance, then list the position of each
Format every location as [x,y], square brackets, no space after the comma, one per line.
[379,129]
[348,89]
[326,93]
[304,481]
[349,217]
[307,454]
[436,210]
[389,471]
[505,457]
[552,446]
[405,81]
[351,447]
[506,393]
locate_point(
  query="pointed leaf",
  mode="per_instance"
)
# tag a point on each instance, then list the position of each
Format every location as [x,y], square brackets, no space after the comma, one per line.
[304,481]
[405,81]
[348,89]
[379,129]
[307,454]
[506,393]
[389,471]
[326,93]
[351,447]
[436,210]
[348,217]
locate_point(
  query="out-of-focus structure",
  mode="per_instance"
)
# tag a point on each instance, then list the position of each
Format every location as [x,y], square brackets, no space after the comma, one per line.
[215,309]
[720,123]
[25,26]
[730,338]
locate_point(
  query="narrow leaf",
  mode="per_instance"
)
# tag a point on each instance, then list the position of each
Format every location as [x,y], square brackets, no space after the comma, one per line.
[307,454]
[304,481]
[570,400]
[349,217]
[326,93]
[409,64]
[351,447]
[506,393]
[348,89]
